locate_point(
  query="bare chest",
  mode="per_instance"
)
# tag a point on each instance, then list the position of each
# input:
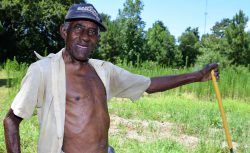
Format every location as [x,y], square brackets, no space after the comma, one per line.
[85,94]
[84,86]
[86,117]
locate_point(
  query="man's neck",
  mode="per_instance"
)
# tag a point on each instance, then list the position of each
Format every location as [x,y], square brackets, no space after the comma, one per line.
[68,59]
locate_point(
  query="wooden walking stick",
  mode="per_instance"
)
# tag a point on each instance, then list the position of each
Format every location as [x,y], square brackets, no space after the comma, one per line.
[223,115]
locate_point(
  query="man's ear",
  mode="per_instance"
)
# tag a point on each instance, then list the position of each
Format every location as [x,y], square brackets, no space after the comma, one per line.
[98,37]
[63,32]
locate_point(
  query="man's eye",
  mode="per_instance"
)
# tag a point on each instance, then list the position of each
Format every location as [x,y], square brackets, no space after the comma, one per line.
[78,28]
[92,32]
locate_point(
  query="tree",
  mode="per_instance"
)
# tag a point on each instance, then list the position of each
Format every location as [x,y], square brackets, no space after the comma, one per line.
[219,28]
[1,27]
[31,25]
[212,50]
[214,47]
[188,46]
[160,45]
[238,40]
[110,45]
[132,32]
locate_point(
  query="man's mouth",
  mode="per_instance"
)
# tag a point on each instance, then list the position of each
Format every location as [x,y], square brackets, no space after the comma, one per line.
[82,47]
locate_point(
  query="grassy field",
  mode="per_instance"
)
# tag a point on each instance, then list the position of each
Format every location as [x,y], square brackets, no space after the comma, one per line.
[185,119]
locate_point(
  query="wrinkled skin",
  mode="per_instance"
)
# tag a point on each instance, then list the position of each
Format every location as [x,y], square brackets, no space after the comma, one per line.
[78,44]
[86,117]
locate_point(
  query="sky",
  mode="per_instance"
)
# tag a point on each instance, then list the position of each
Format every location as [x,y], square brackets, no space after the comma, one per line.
[177,15]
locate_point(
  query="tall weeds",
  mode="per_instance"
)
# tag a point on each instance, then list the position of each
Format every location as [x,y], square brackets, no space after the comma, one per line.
[15,72]
[234,81]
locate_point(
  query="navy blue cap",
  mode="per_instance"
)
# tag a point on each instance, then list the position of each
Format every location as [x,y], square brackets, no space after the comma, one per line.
[84,11]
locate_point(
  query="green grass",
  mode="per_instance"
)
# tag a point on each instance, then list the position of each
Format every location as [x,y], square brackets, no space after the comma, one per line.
[191,110]
[129,146]
[28,128]
[234,82]
[193,117]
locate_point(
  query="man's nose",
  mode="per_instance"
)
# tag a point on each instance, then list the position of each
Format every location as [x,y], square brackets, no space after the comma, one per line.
[84,35]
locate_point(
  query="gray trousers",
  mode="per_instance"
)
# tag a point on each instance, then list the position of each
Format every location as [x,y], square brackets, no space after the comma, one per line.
[111,149]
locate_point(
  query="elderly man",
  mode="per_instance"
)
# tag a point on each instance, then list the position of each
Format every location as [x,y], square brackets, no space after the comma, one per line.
[70,91]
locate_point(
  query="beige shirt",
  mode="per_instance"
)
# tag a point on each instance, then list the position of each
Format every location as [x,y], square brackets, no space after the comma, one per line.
[44,88]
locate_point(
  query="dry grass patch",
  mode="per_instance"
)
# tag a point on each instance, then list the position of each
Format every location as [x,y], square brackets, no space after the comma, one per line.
[149,130]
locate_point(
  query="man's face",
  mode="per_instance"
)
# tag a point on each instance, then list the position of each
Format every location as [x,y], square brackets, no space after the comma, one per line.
[81,39]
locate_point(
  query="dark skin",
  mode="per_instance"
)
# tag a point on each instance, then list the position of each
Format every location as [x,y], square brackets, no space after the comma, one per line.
[11,132]
[86,117]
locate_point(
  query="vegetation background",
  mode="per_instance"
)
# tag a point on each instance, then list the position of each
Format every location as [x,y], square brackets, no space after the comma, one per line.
[190,111]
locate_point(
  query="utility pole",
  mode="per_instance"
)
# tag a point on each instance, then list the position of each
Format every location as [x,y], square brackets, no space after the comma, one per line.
[205,26]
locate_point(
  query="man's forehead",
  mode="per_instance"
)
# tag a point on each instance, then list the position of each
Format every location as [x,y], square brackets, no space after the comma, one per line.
[86,23]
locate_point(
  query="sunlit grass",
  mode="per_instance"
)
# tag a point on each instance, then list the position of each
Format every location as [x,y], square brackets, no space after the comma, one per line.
[194,117]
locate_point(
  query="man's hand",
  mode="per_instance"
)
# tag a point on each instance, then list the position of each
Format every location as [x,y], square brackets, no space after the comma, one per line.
[205,73]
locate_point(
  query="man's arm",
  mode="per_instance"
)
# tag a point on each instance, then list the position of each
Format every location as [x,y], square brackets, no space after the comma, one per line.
[163,83]
[11,132]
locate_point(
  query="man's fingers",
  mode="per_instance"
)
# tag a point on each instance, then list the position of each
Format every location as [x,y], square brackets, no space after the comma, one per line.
[206,72]
[215,67]
[217,75]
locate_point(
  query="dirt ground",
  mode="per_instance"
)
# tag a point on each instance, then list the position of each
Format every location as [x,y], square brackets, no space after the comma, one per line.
[142,131]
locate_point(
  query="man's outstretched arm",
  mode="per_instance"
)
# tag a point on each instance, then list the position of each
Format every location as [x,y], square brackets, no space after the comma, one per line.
[11,132]
[163,83]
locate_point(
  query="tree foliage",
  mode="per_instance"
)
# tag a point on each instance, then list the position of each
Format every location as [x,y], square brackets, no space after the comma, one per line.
[133,31]
[213,50]
[188,46]
[27,26]
[110,43]
[219,28]
[160,45]
[238,40]
[31,26]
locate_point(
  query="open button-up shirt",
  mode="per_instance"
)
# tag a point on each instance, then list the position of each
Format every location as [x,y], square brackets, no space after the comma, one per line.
[44,88]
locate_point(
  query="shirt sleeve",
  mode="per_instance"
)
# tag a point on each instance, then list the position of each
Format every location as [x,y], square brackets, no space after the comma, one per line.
[25,101]
[127,85]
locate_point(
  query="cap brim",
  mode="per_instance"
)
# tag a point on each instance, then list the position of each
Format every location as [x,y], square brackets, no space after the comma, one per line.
[100,25]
